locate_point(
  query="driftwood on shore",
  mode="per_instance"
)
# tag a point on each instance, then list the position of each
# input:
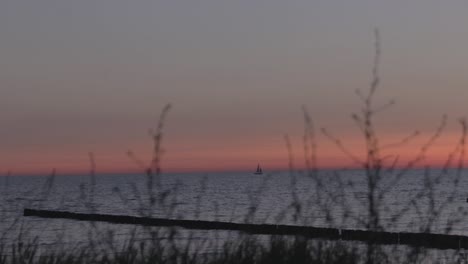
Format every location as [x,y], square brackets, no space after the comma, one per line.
[438,241]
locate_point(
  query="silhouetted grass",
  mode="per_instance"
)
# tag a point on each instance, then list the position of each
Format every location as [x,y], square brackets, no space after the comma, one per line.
[278,250]
[329,198]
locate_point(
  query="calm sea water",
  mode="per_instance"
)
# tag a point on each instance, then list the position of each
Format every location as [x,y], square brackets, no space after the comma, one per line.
[415,201]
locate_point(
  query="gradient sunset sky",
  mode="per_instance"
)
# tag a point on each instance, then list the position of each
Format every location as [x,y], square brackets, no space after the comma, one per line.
[92,76]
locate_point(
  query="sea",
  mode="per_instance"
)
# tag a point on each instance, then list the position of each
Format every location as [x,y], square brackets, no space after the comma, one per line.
[416,200]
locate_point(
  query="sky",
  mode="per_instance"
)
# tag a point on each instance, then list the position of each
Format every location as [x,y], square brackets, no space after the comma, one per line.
[92,76]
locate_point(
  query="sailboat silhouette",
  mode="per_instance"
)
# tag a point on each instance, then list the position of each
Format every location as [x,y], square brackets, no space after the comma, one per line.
[259,170]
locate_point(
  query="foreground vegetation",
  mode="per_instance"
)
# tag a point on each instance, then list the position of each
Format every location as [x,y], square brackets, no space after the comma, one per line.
[382,173]
[278,250]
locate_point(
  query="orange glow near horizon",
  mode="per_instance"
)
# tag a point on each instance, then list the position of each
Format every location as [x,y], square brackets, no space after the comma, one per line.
[272,156]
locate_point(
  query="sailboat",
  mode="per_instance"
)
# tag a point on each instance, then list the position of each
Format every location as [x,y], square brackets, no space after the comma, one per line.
[259,170]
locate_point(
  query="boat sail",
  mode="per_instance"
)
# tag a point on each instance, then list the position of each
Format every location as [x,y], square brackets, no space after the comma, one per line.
[259,170]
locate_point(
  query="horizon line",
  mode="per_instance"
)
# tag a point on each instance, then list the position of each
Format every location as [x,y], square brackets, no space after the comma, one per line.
[201,171]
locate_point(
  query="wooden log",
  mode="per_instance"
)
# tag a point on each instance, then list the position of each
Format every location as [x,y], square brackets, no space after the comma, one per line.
[438,241]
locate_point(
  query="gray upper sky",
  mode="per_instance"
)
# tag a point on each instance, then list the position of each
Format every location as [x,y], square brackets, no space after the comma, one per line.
[80,76]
